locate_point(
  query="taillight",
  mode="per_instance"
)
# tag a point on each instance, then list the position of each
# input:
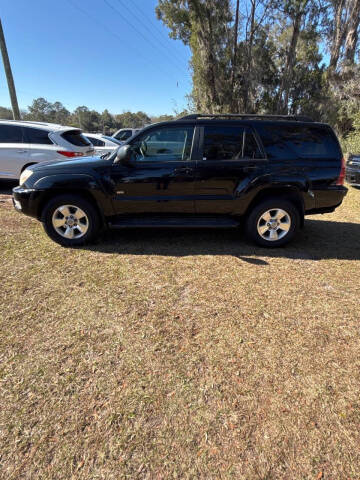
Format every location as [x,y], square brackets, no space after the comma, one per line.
[341,179]
[70,154]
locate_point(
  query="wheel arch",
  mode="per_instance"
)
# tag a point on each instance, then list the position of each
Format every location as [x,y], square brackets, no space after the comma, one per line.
[30,164]
[289,193]
[83,193]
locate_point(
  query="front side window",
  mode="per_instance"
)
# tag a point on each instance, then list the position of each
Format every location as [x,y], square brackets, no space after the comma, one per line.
[251,147]
[164,144]
[11,134]
[35,135]
[223,143]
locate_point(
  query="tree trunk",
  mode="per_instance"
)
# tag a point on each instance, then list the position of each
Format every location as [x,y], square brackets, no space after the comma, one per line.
[351,39]
[236,30]
[248,82]
[284,91]
[338,35]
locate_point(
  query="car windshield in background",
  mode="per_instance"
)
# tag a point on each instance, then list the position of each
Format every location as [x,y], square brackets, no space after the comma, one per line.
[96,141]
[124,135]
[112,139]
[75,137]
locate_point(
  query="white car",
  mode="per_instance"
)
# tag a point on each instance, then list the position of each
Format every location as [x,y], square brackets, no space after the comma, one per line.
[26,143]
[102,143]
[125,133]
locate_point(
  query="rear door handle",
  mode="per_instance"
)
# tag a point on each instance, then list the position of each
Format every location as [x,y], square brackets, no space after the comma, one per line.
[21,151]
[249,168]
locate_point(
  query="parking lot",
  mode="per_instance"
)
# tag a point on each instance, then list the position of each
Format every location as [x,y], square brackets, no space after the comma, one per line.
[180,354]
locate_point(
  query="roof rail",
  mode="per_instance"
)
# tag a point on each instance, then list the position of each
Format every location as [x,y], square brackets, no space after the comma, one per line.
[249,116]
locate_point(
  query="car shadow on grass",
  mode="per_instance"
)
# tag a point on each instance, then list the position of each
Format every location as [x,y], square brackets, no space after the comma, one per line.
[320,239]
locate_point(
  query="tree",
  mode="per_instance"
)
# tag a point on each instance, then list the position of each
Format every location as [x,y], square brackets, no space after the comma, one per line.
[6,113]
[40,110]
[108,122]
[342,30]
[205,27]
[59,113]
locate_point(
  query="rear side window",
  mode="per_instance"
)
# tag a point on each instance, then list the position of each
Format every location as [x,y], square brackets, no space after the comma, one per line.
[96,141]
[292,141]
[223,143]
[35,135]
[75,137]
[11,134]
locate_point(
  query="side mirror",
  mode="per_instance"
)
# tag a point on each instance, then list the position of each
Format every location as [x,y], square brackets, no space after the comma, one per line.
[123,155]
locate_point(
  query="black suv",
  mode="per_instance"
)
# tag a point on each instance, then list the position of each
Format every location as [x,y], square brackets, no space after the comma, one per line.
[199,171]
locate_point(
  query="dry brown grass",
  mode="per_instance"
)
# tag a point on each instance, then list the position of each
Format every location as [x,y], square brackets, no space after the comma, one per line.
[189,355]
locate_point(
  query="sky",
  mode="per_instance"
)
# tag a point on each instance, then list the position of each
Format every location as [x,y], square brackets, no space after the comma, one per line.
[104,54]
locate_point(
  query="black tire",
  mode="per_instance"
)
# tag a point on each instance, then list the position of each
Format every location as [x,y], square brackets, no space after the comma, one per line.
[91,220]
[273,204]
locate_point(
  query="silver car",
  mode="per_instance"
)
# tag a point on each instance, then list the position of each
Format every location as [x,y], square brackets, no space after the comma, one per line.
[125,133]
[102,143]
[26,143]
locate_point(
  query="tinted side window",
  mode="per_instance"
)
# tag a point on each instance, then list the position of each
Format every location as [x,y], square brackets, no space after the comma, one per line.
[251,147]
[223,143]
[35,135]
[292,141]
[11,134]
[75,137]
[164,144]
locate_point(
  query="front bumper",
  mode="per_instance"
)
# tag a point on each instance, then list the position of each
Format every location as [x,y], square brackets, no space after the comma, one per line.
[352,176]
[27,200]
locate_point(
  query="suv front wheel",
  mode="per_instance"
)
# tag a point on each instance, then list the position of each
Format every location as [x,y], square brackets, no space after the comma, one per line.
[70,220]
[273,222]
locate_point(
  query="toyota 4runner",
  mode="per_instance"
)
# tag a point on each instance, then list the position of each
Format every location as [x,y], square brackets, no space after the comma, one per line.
[267,172]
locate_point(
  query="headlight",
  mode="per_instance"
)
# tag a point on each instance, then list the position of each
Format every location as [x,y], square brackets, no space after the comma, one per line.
[26,174]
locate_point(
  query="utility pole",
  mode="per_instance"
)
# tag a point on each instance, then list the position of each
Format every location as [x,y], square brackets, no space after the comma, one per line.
[9,77]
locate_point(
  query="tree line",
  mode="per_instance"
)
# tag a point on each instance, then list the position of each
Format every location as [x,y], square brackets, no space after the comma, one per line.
[272,56]
[82,117]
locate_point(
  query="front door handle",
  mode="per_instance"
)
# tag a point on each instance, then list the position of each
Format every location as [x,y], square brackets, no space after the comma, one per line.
[21,151]
[186,170]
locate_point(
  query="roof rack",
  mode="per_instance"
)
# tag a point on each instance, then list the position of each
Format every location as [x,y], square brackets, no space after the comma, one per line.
[249,116]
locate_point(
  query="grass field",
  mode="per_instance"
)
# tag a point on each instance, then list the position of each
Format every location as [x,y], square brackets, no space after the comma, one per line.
[180,354]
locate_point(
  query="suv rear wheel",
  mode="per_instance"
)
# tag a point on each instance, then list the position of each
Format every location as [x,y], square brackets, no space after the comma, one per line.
[273,222]
[70,220]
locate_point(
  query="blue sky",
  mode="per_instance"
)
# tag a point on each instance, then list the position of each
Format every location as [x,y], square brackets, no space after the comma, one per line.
[110,54]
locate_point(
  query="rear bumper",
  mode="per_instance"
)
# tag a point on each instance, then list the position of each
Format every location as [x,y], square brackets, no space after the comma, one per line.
[327,200]
[27,200]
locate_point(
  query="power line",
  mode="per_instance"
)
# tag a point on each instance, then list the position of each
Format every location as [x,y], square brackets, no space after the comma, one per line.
[159,39]
[139,32]
[85,12]
[149,19]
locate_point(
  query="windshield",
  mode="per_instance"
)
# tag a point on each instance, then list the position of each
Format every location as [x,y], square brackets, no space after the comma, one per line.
[112,139]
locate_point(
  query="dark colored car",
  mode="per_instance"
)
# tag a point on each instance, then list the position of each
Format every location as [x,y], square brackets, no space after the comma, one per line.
[199,171]
[353,171]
